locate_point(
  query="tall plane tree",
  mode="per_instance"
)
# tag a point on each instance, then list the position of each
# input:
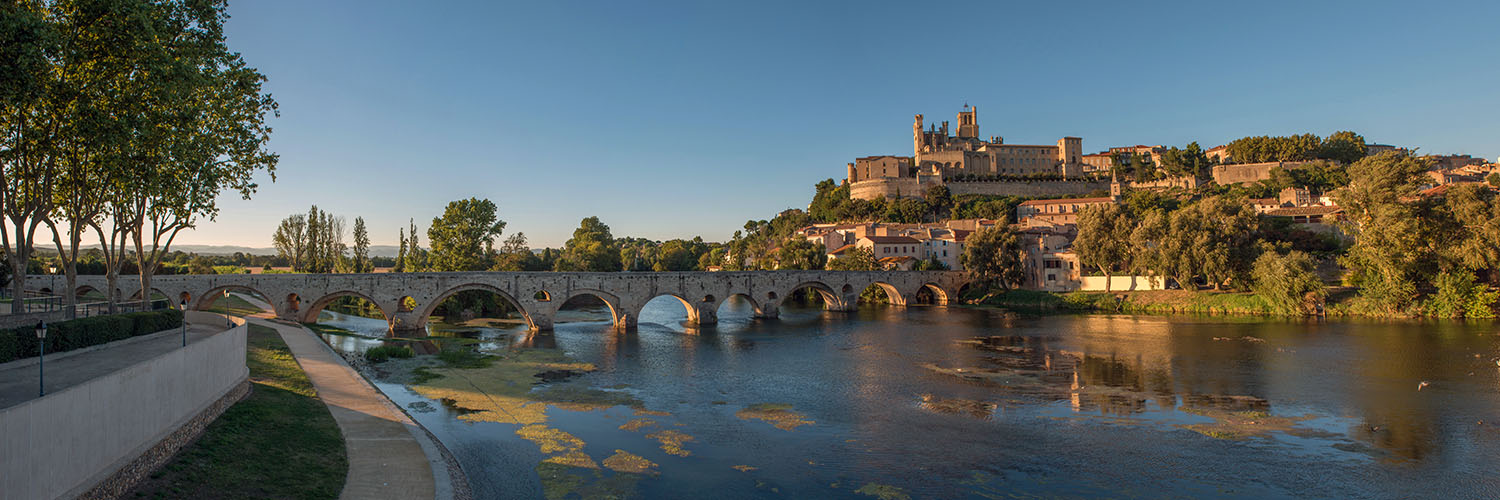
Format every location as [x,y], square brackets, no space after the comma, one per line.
[28,123]
[203,127]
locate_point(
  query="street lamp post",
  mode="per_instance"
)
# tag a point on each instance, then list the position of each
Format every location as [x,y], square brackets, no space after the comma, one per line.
[184,322]
[48,301]
[41,358]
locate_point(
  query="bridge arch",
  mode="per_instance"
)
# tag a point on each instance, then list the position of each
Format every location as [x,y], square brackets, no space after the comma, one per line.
[755,305]
[893,295]
[309,313]
[207,298]
[700,310]
[827,292]
[940,295]
[154,291]
[425,311]
[621,318]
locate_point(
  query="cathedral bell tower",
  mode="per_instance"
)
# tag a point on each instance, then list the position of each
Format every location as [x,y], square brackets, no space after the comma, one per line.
[968,122]
[916,137]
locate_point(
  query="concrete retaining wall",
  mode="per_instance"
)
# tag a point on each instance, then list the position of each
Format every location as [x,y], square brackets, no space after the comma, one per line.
[1121,283]
[64,444]
[909,187]
[8,321]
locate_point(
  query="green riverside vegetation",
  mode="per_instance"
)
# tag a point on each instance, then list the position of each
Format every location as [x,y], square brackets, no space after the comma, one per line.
[280,442]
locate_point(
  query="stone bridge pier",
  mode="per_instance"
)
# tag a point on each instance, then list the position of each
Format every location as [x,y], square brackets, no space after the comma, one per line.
[407,300]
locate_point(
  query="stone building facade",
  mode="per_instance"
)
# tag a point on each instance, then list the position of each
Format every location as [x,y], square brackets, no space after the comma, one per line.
[1055,212]
[881,167]
[940,157]
[1246,173]
[967,154]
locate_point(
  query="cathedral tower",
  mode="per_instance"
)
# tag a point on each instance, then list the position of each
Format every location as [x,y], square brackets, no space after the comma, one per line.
[968,123]
[916,137]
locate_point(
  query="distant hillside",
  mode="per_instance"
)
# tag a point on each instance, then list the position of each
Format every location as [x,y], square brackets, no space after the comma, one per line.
[375,250]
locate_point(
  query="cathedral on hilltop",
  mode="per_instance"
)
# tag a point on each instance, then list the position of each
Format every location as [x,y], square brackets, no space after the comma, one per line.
[982,166]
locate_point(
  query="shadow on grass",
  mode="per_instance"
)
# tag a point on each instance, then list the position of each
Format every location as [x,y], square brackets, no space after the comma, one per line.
[280,442]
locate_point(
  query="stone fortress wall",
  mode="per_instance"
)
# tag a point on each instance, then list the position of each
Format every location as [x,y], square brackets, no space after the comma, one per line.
[909,187]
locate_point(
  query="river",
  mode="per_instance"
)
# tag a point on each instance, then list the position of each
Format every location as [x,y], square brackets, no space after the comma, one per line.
[932,402]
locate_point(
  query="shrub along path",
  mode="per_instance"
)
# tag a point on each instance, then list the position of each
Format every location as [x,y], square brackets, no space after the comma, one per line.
[279,442]
[18,383]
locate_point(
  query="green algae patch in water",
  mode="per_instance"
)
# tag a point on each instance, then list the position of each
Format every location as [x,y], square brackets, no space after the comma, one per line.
[744,468]
[627,462]
[779,415]
[883,492]
[955,406]
[671,442]
[561,481]
[637,424]
[499,388]
[572,458]
[550,440]
[1237,425]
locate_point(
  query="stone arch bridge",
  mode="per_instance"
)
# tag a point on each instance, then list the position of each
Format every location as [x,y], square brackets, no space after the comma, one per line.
[538,295]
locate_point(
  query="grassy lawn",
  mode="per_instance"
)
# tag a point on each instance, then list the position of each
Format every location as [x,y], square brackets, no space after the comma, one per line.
[234,306]
[280,442]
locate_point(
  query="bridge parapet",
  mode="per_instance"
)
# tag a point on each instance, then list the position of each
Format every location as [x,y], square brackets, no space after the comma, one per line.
[408,299]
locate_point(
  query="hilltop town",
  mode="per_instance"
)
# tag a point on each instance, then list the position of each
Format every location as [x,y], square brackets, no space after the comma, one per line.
[1256,193]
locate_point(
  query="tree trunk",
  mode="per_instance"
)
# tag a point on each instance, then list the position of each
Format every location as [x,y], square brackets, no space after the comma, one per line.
[112,280]
[70,296]
[1108,282]
[17,283]
[146,290]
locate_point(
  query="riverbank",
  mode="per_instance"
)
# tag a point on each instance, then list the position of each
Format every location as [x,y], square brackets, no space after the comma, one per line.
[1339,302]
[280,442]
[1134,302]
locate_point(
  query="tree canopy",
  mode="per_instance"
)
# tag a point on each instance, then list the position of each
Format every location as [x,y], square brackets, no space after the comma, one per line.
[592,248]
[463,238]
[993,255]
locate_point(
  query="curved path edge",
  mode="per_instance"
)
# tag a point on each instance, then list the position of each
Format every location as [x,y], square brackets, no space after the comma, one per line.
[390,455]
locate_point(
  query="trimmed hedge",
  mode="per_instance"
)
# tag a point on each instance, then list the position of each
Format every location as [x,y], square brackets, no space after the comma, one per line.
[18,343]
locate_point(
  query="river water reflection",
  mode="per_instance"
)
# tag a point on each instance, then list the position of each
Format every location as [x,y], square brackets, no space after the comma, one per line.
[962,403]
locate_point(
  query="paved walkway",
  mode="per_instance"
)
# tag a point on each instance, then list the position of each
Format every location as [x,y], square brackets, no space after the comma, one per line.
[18,384]
[385,458]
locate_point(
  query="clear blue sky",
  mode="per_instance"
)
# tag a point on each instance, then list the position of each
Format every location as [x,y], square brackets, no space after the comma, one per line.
[681,119]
